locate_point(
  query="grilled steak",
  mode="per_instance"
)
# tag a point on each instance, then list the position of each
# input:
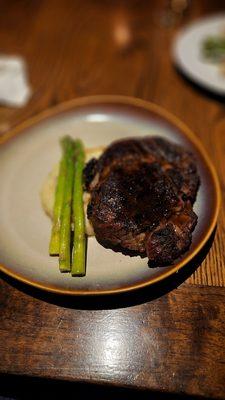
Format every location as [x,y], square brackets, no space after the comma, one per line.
[142,192]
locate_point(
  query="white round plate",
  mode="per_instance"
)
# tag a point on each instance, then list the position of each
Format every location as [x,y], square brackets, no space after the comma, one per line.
[28,153]
[187,55]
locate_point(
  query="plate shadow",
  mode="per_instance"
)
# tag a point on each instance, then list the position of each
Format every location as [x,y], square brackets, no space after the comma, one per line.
[220,98]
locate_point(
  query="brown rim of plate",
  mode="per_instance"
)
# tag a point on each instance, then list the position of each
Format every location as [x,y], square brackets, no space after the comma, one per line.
[125,100]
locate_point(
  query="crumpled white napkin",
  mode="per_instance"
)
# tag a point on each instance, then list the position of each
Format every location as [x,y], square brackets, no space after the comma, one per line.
[15,90]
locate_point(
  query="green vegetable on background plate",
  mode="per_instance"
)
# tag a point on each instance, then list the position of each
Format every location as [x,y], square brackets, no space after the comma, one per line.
[213,48]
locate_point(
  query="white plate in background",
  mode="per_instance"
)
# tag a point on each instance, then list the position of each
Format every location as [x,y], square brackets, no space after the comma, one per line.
[186,52]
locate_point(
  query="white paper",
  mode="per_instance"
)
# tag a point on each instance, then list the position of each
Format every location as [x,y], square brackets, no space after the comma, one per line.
[15,90]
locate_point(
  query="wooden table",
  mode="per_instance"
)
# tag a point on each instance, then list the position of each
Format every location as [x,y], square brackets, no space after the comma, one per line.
[166,339]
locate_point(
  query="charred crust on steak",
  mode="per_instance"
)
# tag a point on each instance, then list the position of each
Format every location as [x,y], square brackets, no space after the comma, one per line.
[89,172]
[142,192]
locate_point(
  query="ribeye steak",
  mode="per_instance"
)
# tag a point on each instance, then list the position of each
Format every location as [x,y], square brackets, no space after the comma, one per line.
[142,193]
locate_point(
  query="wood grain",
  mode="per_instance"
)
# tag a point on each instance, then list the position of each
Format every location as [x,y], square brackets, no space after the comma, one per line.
[174,343]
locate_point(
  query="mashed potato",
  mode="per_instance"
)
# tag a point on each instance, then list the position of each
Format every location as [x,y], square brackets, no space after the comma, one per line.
[49,186]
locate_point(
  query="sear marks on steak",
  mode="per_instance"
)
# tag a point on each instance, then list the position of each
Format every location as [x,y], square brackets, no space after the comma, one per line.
[142,192]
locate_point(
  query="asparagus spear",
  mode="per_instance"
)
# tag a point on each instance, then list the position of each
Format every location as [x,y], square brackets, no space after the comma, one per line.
[59,195]
[65,230]
[79,249]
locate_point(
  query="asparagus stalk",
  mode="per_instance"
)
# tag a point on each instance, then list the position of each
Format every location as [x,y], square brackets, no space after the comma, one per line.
[59,196]
[65,230]
[79,249]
